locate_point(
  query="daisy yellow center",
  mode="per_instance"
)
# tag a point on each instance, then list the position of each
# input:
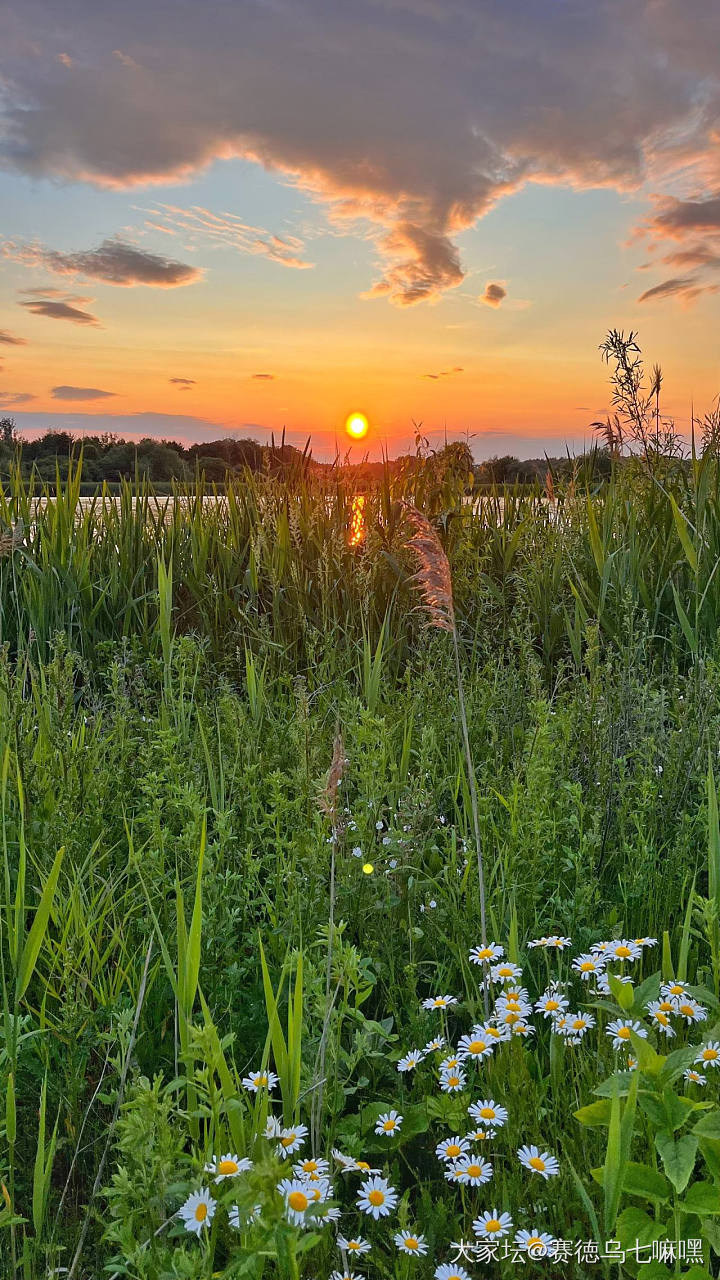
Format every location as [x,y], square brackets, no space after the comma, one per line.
[587,966]
[477,1046]
[261,1080]
[376,1197]
[411,1242]
[676,991]
[453,1278]
[505,972]
[534,1242]
[666,1006]
[511,1018]
[552,1005]
[316,1193]
[536,1163]
[439,1004]
[353,1245]
[687,1009]
[451,1062]
[493,1224]
[485,953]
[474,1170]
[493,1031]
[389,1125]
[512,1003]
[453,1082]
[452,1149]
[298,1201]
[624,1033]
[288,1140]
[662,1018]
[227,1166]
[623,952]
[487,1113]
[710,1054]
[310,1166]
[362,1164]
[201,1212]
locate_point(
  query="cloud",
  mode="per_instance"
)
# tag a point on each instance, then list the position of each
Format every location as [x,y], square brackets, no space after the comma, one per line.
[182,384]
[55,310]
[227,230]
[9,339]
[494,294]
[263,377]
[113,262]
[338,100]
[688,288]
[444,373]
[10,398]
[80,393]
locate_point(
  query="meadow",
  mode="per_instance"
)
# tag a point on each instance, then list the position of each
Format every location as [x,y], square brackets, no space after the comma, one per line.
[251,1025]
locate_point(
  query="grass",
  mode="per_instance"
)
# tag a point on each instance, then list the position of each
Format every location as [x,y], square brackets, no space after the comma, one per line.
[180,908]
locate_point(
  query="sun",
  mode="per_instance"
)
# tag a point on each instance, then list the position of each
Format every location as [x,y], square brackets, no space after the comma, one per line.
[357,425]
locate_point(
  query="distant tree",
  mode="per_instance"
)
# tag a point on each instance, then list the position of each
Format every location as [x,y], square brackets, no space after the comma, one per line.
[8,430]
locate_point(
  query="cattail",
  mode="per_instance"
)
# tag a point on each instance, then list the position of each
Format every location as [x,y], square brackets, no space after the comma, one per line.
[433,578]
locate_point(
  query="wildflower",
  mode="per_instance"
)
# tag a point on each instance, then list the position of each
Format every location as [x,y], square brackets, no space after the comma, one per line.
[345,1275]
[480,1135]
[291,1140]
[471,1171]
[450,1271]
[538,1161]
[580,1023]
[376,1197]
[624,950]
[631,1063]
[449,1063]
[489,1112]
[601,948]
[483,955]
[710,1053]
[272,1127]
[433,1045]
[311,1167]
[367,868]
[228,1167]
[408,1243]
[356,1244]
[494,1034]
[505,972]
[296,1194]
[645,942]
[537,1243]
[475,1046]
[331,1214]
[439,1002]
[660,1018]
[695,1077]
[552,1002]
[197,1211]
[620,1032]
[586,965]
[690,1010]
[260,1080]
[558,943]
[673,990]
[493,1225]
[521,1028]
[388,1124]
[537,942]
[410,1061]
[603,982]
[453,1081]
[452,1148]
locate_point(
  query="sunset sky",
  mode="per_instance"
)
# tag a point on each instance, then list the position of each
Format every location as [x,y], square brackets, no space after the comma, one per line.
[230,216]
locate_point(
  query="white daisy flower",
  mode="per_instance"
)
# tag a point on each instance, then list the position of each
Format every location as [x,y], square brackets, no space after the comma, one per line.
[477,1045]
[538,1161]
[291,1140]
[620,1032]
[439,1002]
[345,1275]
[411,1060]
[376,1197]
[709,1055]
[298,1198]
[388,1124]
[489,1112]
[356,1244]
[505,972]
[273,1127]
[578,1024]
[453,1080]
[484,955]
[330,1214]
[452,1148]
[260,1080]
[552,1003]
[480,1135]
[450,1271]
[674,990]
[587,965]
[311,1167]
[537,942]
[492,1225]
[557,943]
[625,949]
[601,948]
[409,1243]
[538,1244]
[660,1018]
[228,1166]
[689,1009]
[695,1077]
[197,1211]
[433,1045]
[471,1171]
[645,942]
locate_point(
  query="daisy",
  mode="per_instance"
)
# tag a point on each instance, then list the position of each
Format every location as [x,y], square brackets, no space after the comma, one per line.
[601,948]
[408,1243]
[328,1215]
[410,1061]
[291,1140]
[672,990]
[388,1124]
[492,1225]
[228,1167]
[439,1002]
[539,1162]
[272,1127]
[296,1194]
[237,1222]
[537,942]
[522,1029]
[695,1077]
[552,1002]
[477,1045]
[480,1135]
[603,982]
[450,1271]
[690,1009]
[645,942]
[433,1045]
[344,1275]
[356,1244]
[311,1168]
[586,965]
[260,1080]
[483,955]
[660,1018]
[505,972]
[453,1080]
[471,1171]
[376,1197]
[537,1243]
[495,1034]
[489,1112]
[197,1211]
[579,1023]
[624,950]
[710,1054]
[558,943]
[452,1148]
[620,1032]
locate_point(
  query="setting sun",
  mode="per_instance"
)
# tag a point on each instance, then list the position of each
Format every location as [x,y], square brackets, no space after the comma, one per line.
[357,425]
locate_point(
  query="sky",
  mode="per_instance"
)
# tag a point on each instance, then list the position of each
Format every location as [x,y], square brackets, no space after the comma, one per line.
[234,217]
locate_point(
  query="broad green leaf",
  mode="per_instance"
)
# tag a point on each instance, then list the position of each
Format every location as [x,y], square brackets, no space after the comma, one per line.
[595,1114]
[678,1156]
[36,936]
[650,1062]
[708,1126]
[702,1198]
[683,533]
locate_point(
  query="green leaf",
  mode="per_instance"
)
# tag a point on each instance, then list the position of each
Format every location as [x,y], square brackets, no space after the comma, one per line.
[649,1062]
[595,1114]
[702,1198]
[642,1180]
[681,525]
[35,938]
[708,1126]
[622,991]
[636,1225]
[678,1156]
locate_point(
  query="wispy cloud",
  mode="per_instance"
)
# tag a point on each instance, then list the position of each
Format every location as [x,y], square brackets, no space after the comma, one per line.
[444,373]
[263,377]
[80,393]
[227,230]
[688,288]
[54,309]
[182,384]
[9,339]
[8,399]
[113,262]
